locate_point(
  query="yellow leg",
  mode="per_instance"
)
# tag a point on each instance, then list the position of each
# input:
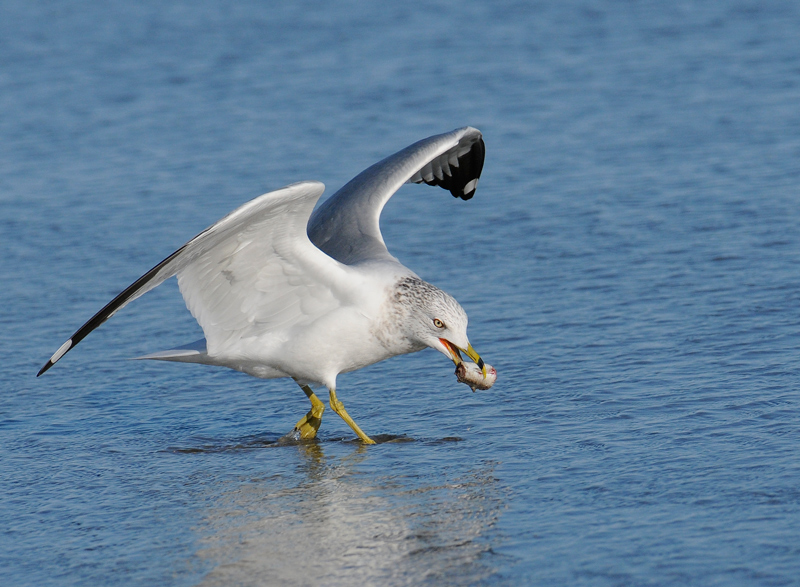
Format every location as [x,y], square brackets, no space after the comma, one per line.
[338,407]
[308,425]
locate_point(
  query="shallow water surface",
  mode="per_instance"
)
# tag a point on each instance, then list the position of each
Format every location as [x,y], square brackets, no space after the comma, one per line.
[629,265]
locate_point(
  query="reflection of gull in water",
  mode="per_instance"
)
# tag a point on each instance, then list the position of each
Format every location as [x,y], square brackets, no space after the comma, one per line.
[337,526]
[281,292]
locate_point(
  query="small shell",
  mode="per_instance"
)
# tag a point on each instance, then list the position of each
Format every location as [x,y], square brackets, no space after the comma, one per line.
[470,374]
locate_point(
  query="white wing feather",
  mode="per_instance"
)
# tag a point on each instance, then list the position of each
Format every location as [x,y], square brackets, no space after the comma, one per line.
[253,269]
[260,273]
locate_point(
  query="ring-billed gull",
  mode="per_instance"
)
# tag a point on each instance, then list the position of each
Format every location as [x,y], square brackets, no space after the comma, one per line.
[280,291]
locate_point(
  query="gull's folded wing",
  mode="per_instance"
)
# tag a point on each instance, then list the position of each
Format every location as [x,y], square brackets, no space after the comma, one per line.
[347,225]
[259,252]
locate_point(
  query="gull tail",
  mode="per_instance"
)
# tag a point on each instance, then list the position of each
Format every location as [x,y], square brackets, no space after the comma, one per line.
[194,352]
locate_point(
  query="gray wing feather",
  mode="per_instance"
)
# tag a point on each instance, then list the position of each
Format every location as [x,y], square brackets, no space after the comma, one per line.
[347,225]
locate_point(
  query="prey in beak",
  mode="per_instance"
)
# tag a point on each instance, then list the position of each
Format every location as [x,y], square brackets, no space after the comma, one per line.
[455,354]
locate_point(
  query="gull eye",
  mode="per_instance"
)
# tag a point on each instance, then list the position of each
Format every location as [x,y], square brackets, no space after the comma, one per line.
[438,323]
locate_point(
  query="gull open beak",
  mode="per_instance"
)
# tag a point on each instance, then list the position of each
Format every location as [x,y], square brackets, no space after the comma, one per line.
[471,353]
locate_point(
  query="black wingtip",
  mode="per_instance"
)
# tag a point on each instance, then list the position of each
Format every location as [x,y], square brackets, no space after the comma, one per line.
[460,179]
[466,176]
[47,365]
[62,350]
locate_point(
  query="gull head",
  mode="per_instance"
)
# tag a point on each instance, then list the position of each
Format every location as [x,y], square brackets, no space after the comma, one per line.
[435,319]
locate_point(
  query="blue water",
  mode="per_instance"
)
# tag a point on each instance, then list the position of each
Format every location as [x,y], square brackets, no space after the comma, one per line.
[630,264]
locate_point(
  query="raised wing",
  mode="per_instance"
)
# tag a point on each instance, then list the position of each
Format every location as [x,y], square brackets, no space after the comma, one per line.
[347,225]
[258,253]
